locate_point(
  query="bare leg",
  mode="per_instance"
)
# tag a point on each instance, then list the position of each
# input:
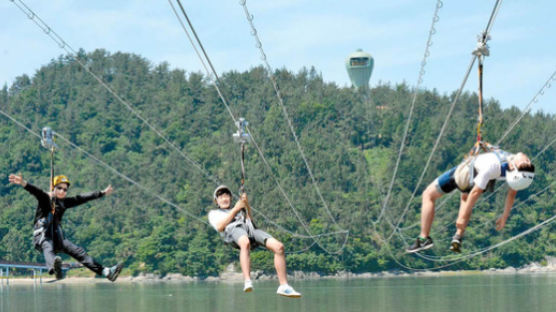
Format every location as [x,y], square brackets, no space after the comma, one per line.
[244,261]
[279,259]
[430,195]
[463,215]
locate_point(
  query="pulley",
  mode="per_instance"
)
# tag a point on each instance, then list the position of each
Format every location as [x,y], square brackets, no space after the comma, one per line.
[47,139]
[241,136]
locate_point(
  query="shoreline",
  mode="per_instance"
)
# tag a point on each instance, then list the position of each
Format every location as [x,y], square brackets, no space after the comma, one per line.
[231,276]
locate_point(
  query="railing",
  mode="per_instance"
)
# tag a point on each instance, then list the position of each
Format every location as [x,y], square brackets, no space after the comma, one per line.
[37,268]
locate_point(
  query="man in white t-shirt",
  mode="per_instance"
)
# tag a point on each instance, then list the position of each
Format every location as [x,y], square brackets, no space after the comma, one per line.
[473,177]
[236,228]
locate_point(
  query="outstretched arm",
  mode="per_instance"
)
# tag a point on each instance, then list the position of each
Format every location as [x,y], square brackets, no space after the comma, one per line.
[501,222]
[35,191]
[83,198]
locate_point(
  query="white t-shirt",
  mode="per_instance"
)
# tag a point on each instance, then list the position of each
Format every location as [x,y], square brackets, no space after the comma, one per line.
[217,215]
[488,168]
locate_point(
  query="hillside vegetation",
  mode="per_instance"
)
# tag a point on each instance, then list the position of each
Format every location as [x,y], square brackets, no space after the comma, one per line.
[351,139]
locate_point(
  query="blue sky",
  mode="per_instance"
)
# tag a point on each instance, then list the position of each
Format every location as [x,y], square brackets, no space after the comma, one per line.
[306,33]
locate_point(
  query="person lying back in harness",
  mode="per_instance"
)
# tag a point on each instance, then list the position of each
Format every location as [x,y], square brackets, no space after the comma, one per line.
[472,177]
[48,236]
[236,228]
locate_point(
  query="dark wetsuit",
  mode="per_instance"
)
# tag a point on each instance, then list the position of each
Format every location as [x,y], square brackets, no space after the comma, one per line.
[48,236]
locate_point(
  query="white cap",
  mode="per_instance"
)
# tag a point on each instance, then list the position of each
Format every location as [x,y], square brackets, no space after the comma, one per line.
[219,188]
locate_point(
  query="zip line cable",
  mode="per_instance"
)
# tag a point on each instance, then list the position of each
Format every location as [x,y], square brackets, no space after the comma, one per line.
[270,71]
[216,85]
[426,54]
[436,143]
[440,135]
[477,253]
[492,16]
[65,46]
[212,72]
[20,124]
[283,192]
[121,175]
[445,201]
[147,190]
[527,108]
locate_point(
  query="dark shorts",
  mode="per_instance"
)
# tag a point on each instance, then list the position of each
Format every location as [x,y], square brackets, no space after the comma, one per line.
[446,182]
[258,237]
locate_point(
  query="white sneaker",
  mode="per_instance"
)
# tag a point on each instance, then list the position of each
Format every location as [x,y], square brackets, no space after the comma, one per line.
[248,286]
[288,291]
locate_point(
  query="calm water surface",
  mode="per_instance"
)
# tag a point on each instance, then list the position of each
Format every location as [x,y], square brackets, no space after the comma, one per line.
[507,293]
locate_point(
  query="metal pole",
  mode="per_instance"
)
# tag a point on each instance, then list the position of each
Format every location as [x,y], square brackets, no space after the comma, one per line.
[53,204]
[242,188]
[481,51]
[242,137]
[480,124]
[47,141]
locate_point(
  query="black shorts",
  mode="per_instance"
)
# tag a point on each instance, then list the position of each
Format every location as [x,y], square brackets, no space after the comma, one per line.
[446,182]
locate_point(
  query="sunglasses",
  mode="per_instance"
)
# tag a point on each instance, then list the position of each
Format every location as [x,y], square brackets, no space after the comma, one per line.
[62,189]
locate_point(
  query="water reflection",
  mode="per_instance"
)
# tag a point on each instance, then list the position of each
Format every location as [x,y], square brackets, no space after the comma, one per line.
[500,293]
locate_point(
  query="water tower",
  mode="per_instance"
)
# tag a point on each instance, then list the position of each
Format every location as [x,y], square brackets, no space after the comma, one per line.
[359,65]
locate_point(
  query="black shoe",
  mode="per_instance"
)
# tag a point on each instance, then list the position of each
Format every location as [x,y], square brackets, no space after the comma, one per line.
[455,245]
[58,268]
[420,244]
[114,272]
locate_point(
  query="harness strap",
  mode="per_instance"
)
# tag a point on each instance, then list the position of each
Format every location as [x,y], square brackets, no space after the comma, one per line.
[500,154]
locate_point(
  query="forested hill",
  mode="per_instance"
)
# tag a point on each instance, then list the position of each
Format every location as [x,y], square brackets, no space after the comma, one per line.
[351,140]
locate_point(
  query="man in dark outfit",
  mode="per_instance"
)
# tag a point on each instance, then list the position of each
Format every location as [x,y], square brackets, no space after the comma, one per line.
[48,236]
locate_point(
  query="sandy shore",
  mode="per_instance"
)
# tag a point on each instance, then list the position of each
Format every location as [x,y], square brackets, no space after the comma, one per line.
[231,276]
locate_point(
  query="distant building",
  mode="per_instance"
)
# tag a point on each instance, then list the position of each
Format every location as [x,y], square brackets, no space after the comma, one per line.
[359,65]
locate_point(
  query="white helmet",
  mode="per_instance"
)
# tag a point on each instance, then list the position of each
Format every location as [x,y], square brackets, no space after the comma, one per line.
[519,180]
[220,188]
